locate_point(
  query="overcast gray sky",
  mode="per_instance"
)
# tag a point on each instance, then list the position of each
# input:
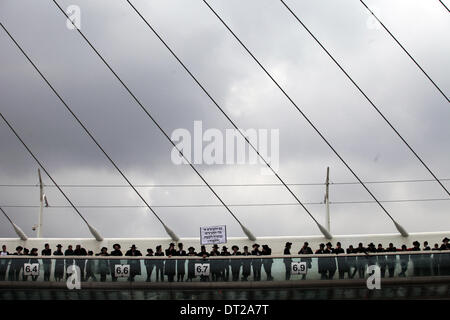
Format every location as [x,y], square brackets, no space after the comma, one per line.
[237,83]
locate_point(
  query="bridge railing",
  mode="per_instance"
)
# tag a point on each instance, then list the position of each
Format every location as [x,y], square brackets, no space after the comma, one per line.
[220,268]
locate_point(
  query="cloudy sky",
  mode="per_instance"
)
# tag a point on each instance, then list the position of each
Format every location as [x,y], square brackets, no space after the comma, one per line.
[250,98]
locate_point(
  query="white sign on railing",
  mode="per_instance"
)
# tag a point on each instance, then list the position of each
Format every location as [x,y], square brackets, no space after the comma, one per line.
[298,268]
[213,235]
[121,270]
[201,269]
[31,269]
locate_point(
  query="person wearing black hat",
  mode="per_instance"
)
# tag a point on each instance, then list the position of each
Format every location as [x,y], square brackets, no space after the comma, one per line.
[47,262]
[169,269]
[330,261]
[16,265]
[81,263]
[444,259]
[3,263]
[306,250]
[215,264]
[341,261]
[391,260]
[435,260]
[135,264]
[416,260]
[181,264]
[34,253]
[235,263]
[381,260]
[112,263]
[361,260]
[427,260]
[26,252]
[149,265]
[256,263]
[351,262]
[225,264]
[58,274]
[321,262]
[404,260]
[159,264]
[191,264]
[103,267]
[246,264]
[68,262]
[90,265]
[267,262]
[287,261]
[204,254]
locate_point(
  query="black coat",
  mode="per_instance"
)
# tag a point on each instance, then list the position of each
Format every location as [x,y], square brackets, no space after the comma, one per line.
[135,265]
[181,263]
[170,264]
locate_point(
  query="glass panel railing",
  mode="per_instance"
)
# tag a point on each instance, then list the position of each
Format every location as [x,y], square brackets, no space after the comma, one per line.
[186,269]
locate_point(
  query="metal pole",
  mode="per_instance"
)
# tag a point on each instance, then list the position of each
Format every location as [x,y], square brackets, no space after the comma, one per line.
[327,200]
[41,209]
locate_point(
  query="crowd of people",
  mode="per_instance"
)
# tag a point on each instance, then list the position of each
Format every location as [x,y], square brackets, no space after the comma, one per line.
[225,269]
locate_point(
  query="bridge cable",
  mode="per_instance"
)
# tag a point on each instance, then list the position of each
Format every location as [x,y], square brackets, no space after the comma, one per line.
[244,229]
[444,5]
[403,48]
[401,230]
[368,99]
[93,231]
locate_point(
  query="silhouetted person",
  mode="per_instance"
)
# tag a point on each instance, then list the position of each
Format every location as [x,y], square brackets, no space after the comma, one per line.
[181,264]
[381,259]
[444,261]
[306,250]
[103,264]
[191,264]
[435,260]
[159,264]
[34,253]
[341,261]
[90,266]
[204,255]
[81,263]
[391,260]
[3,263]
[169,268]
[361,260]
[59,264]
[47,262]
[330,261]
[416,260]
[215,264]
[26,252]
[267,263]
[235,263]
[16,265]
[351,262]
[135,264]
[112,263]
[256,263]
[287,261]
[246,264]
[426,260]
[225,271]
[404,260]
[321,262]
[68,262]
[149,265]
